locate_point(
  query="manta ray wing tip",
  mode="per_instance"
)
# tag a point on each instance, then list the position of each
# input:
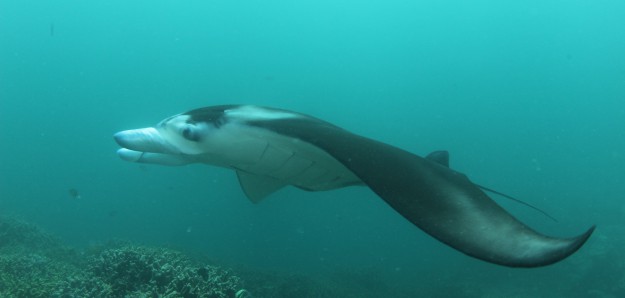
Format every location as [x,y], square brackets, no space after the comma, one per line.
[569,246]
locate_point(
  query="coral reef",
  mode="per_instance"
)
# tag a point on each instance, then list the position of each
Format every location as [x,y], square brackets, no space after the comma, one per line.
[159,272]
[20,235]
[35,264]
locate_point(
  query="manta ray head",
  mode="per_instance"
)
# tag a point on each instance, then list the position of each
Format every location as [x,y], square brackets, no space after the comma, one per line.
[216,135]
[179,139]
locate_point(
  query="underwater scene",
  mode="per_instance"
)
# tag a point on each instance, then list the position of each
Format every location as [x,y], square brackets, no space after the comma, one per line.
[296,149]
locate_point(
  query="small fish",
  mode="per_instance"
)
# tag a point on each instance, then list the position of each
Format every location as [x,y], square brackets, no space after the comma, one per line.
[51,29]
[74,193]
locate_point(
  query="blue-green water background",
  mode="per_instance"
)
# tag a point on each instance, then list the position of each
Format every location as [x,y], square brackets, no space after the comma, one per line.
[529,98]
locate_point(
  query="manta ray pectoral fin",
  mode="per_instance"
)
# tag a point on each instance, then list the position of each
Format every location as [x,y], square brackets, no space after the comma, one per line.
[258,187]
[442,202]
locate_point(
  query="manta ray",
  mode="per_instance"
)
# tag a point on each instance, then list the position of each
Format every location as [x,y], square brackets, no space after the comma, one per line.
[272,148]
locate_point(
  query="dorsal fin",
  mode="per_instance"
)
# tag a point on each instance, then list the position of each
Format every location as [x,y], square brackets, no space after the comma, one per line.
[258,187]
[440,157]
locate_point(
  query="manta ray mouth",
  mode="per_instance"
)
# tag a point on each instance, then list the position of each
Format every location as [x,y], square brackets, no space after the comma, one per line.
[144,140]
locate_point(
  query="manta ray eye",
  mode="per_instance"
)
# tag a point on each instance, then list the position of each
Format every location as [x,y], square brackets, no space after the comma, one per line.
[190,134]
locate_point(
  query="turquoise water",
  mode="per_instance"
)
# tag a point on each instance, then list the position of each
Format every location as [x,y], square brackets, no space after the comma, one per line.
[529,98]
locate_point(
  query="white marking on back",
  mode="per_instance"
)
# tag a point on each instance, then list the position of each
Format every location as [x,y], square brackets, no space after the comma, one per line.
[258,113]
